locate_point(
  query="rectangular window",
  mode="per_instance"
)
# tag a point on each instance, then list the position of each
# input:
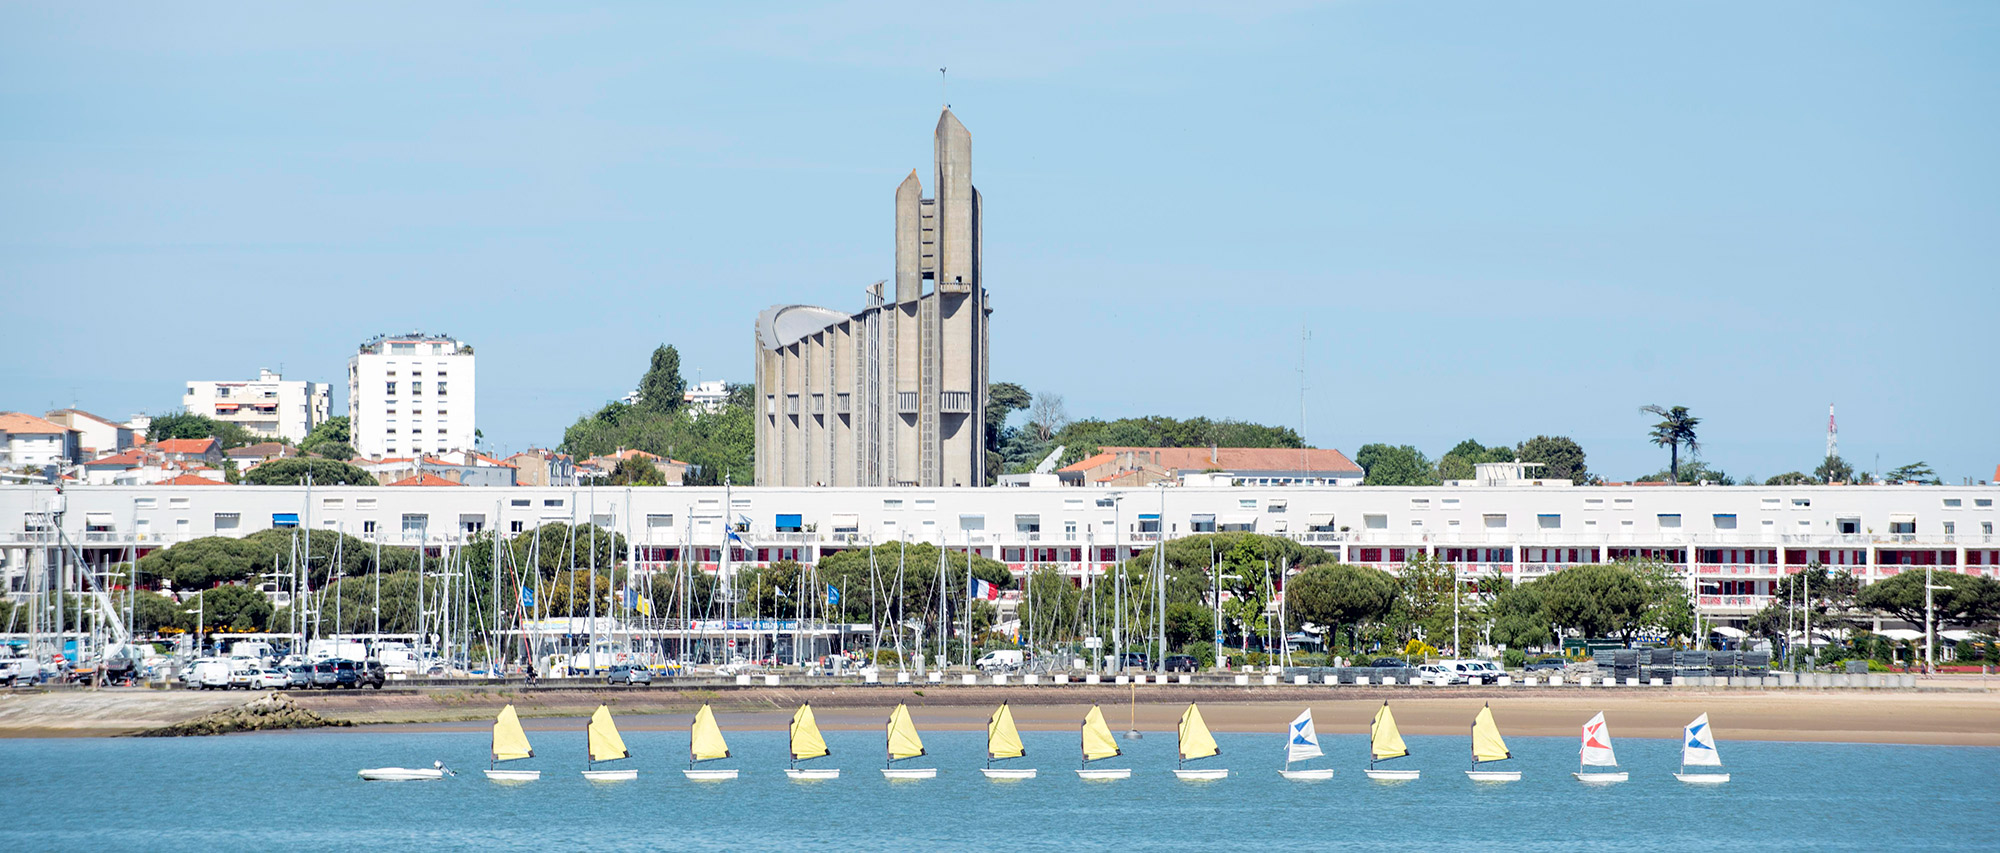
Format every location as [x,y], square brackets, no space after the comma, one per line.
[1670,520]
[1950,527]
[1801,503]
[1982,502]
[145,503]
[604,520]
[1278,505]
[1247,503]
[1495,521]
[417,388]
[1375,522]
[515,526]
[1593,503]
[332,503]
[1725,521]
[368,527]
[1770,503]
[519,502]
[1903,524]
[1420,503]
[440,390]
[892,504]
[228,520]
[1849,525]
[392,389]
[1549,521]
[177,503]
[414,524]
[555,502]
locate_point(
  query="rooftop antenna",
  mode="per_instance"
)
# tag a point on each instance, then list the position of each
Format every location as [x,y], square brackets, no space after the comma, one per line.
[1832,435]
[942,97]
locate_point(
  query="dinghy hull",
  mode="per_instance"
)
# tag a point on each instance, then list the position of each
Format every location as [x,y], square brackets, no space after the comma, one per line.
[611,775]
[1201,775]
[1007,773]
[1601,778]
[1108,773]
[915,773]
[1392,775]
[1493,775]
[401,774]
[709,775]
[513,775]
[795,773]
[1307,775]
[1702,778]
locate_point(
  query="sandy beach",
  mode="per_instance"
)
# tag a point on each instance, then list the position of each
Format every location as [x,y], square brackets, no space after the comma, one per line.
[1957,717]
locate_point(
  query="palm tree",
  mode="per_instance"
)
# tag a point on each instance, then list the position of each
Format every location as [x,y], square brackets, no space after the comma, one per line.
[1675,430]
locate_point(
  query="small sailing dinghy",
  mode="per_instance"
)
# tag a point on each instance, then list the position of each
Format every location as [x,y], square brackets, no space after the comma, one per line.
[1596,752]
[705,743]
[1386,742]
[437,770]
[1196,742]
[1098,744]
[808,743]
[1487,746]
[1698,750]
[606,745]
[904,743]
[1301,743]
[1003,740]
[510,743]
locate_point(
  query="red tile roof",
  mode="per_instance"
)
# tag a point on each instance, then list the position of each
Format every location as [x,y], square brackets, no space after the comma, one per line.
[190,480]
[425,480]
[1228,459]
[185,445]
[17,422]
[128,459]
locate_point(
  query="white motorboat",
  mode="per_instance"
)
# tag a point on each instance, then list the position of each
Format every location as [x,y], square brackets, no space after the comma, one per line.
[1487,746]
[437,770]
[1099,744]
[1698,750]
[606,745]
[1196,742]
[808,743]
[1301,743]
[705,743]
[1385,742]
[904,742]
[1003,741]
[1596,752]
[510,743]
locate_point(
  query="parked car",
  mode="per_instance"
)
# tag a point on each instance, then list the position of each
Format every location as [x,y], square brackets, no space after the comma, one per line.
[1551,664]
[323,675]
[346,673]
[629,674]
[1131,660]
[1389,663]
[370,673]
[269,679]
[1477,671]
[244,677]
[1441,673]
[1181,663]
[1001,660]
[209,674]
[299,675]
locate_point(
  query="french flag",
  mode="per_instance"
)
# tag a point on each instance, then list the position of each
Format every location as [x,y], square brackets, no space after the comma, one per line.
[982,589]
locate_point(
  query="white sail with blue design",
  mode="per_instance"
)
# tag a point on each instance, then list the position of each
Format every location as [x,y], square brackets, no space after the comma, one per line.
[1698,750]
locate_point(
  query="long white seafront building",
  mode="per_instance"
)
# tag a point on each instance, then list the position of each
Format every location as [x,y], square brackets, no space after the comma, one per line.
[1736,541]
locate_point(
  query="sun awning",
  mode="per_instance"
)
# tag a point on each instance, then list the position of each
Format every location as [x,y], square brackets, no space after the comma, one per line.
[1319,519]
[1733,633]
[1902,516]
[846,521]
[284,519]
[1275,504]
[1901,634]
[98,519]
[1240,519]
[1202,518]
[785,520]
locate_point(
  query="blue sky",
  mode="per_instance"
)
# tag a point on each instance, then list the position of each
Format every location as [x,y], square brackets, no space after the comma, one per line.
[1497,219]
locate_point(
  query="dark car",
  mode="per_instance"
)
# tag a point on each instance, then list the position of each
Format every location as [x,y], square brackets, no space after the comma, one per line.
[1390,663]
[629,674]
[1181,663]
[1555,664]
[323,675]
[1133,660]
[346,673]
[370,673]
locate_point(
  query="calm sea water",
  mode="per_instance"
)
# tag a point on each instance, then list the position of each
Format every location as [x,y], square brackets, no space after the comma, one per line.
[299,791]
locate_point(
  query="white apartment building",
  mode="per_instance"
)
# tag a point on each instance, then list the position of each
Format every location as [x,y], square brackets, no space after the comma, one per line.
[1733,542]
[28,441]
[96,435]
[706,397]
[410,395]
[269,406]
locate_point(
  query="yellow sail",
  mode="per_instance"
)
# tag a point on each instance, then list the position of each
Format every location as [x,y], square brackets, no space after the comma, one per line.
[1002,739]
[605,744]
[1384,741]
[903,739]
[509,741]
[806,739]
[1486,742]
[1097,740]
[1196,742]
[707,743]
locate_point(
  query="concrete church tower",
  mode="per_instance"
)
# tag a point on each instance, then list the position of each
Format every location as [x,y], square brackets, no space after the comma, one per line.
[894,395]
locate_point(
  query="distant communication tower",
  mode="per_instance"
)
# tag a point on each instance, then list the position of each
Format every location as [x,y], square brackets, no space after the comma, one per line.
[1832,435]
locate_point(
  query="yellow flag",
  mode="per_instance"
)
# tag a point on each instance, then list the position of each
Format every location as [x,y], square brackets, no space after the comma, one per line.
[645,606]
[1384,741]
[806,739]
[903,739]
[605,744]
[1486,742]
[1097,740]
[1196,742]
[707,743]
[509,741]
[1003,740]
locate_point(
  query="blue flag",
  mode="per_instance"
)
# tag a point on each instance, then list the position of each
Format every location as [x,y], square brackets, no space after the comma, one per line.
[832,594]
[527,597]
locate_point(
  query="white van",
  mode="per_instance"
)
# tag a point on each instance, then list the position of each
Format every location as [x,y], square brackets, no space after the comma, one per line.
[210,674]
[1004,660]
[1476,671]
